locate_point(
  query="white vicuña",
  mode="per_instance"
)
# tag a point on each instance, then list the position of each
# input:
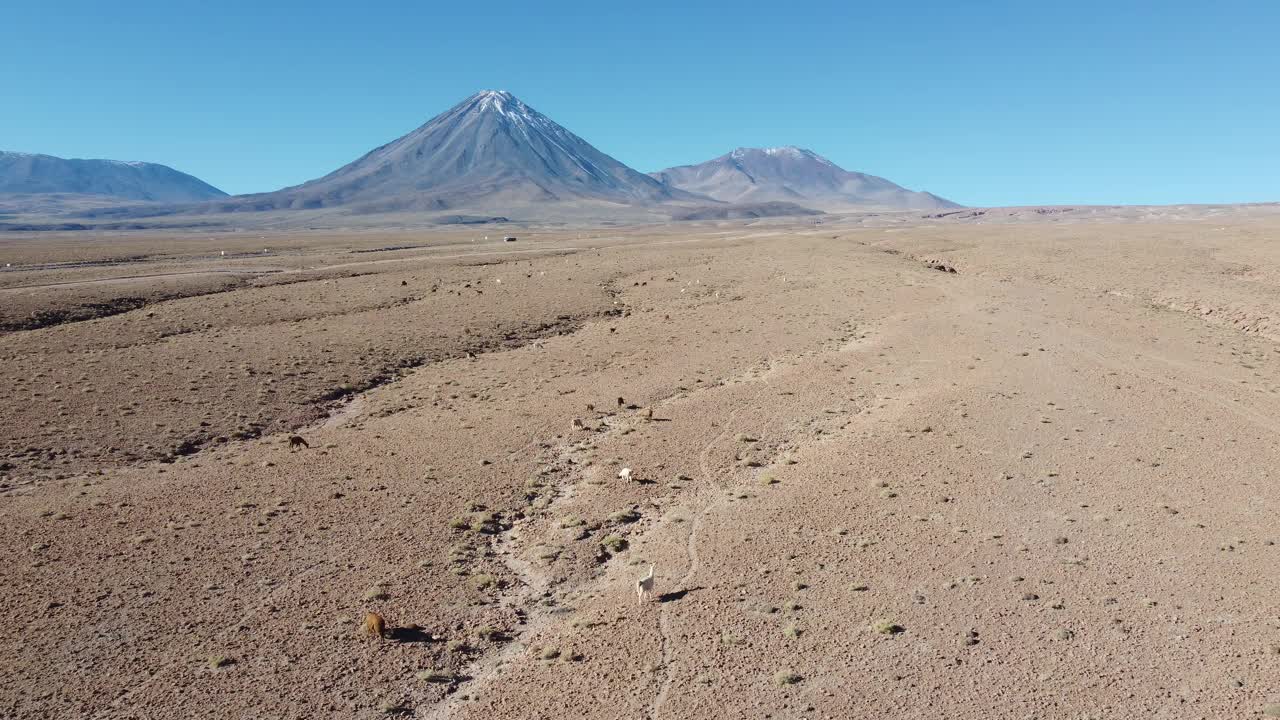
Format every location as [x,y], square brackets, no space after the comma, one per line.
[644,586]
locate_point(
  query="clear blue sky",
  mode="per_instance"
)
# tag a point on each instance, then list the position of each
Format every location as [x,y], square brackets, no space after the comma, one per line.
[985,102]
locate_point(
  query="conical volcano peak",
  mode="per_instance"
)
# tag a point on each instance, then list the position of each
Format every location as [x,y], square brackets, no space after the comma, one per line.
[489,151]
[504,104]
[495,100]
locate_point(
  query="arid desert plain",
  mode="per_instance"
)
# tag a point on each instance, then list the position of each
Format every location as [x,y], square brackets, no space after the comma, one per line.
[1045,485]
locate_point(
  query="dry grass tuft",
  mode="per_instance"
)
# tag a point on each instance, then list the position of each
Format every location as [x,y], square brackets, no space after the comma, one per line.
[886,627]
[434,676]
[785,677]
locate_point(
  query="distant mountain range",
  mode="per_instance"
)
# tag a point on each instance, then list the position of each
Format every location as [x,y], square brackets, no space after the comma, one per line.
[792,174]
[489,154]
[31,174]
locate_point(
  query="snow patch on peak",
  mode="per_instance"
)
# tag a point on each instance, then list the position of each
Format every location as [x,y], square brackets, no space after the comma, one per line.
[783,151]
[496,100]
[793,151]
[497,96]
[509,106]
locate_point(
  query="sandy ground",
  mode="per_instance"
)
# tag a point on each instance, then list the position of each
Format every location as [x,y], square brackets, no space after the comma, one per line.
[1037,487]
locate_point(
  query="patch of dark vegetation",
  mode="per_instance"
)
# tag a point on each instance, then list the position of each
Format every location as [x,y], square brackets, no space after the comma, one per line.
[82,263]
[43,227]
[958,214]
[487,263]
[130,212]
[388,248]
[469,220]
[77,227]
[745,211]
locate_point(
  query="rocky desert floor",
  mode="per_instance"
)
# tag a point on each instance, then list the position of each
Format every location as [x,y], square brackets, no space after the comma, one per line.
[1039,486]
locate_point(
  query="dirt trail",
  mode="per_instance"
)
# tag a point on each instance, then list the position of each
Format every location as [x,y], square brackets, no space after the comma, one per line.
[703,503]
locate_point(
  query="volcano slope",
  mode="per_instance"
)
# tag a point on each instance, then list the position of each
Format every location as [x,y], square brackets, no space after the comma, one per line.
[1037,487]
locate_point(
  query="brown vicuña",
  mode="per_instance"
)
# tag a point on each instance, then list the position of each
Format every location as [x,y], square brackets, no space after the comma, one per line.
[374,625]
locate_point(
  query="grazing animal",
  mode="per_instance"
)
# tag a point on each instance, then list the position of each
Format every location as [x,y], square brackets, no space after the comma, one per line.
[625,474]
[374,625]
[296,441]
[577,424]
[644,586]
[621,402]
[591,408]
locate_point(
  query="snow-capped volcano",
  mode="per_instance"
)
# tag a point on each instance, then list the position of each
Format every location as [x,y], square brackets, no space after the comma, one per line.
[796,175]
[487,151]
